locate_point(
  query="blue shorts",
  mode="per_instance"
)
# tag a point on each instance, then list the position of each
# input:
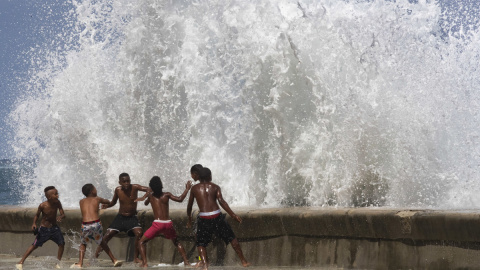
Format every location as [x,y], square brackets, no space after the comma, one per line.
[44,234]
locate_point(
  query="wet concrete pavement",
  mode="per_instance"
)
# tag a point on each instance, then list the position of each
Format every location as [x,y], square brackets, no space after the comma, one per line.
[8,261]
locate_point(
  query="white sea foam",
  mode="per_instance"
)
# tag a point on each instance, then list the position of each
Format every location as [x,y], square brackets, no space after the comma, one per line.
[287,102]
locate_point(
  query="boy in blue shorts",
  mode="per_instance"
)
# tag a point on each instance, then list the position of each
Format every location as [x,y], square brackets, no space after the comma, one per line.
[49,229]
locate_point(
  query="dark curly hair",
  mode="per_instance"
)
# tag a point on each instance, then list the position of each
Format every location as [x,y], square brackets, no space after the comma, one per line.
[86,189]
[196,168]
[48,188]
[206,174]
[157,186]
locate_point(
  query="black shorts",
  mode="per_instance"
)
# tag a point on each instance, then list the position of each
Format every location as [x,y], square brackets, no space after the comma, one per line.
[125,224]
[218,226]
[44,234]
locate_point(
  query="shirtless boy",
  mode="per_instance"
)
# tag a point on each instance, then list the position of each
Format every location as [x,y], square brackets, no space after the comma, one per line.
[126,219]
[49,229]
[91,226]
[162,223]
[210,219]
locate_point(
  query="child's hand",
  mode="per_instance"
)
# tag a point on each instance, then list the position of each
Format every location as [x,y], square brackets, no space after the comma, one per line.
[104,206]
[59,219]
[237,218]
[34,227]
[188,185]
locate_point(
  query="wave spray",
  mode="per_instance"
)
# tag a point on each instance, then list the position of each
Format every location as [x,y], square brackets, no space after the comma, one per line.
[342,103]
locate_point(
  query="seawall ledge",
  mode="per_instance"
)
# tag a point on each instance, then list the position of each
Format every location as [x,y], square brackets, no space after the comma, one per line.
[365,223]
[365,238]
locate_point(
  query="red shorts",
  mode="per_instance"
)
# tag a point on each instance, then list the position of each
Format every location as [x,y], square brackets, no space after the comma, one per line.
[164,227]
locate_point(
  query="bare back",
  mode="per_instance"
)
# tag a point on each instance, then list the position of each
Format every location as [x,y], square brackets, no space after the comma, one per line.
[90,208]
[160,206]
[206,194]
[209,197]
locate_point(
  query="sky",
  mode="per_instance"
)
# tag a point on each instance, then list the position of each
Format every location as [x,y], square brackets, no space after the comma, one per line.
[24,25]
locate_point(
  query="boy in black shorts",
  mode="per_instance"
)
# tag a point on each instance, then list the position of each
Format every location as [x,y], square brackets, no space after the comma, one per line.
[49,229]
[210,220]
[126,220]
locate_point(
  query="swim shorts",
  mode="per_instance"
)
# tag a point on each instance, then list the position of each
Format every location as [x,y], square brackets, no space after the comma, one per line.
[164,227]
[92,231]
[208,226]
[44,234]
[125,224]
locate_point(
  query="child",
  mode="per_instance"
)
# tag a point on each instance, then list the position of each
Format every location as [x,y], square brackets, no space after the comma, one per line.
[195,171]
[210,219]
[91,225]
[195,174]
[162,223]
[49,229]
[126,219]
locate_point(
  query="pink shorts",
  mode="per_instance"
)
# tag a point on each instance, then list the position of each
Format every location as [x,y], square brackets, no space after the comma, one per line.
[164,227]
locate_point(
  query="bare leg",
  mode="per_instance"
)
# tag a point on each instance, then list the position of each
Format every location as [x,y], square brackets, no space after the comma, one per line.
[106,237]
[202,251]
[107,250]
[80,257]
[60,252]
[27,253]
[238,250]
[143,251]
[181,250]
[138,234]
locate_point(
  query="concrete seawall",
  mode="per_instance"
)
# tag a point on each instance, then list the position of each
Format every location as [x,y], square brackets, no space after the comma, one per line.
[336,237]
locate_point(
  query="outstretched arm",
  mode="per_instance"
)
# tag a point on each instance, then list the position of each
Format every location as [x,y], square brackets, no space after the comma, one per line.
[142,188]
[111,203]
[191,199]
[148,192]
[105,201]
[226,207]
[184,194]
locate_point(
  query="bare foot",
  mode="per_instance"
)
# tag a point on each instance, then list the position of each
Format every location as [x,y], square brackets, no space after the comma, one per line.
[137,260]
[246,264]
[76,265]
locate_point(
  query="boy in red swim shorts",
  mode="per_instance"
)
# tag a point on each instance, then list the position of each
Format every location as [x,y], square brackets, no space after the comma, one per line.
[162,223]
